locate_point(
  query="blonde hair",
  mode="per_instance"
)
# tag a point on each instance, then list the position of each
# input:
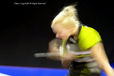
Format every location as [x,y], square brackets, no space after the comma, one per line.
[68,16]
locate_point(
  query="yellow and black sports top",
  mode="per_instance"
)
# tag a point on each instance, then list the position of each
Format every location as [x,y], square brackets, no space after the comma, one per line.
[88,37]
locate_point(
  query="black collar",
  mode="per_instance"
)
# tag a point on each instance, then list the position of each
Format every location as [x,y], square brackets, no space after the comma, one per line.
[71,38]
[79,28]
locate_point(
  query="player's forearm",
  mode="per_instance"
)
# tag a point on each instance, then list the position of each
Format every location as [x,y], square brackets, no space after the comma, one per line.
[100,56]
[105,66]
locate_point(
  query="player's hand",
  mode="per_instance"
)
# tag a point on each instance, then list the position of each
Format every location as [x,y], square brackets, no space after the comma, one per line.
[66,59]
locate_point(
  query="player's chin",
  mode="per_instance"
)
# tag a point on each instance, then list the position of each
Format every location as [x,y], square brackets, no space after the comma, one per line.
[64,37]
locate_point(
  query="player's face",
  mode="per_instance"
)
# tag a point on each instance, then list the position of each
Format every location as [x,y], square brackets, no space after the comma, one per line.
[61,31]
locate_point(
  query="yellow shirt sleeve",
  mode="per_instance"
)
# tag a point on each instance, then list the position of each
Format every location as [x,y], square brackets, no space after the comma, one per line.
[88,37]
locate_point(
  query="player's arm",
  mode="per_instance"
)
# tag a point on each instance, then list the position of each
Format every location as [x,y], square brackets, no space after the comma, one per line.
[54,47]
[99,54]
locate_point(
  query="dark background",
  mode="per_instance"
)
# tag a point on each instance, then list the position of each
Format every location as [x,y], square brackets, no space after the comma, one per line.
[25,29]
